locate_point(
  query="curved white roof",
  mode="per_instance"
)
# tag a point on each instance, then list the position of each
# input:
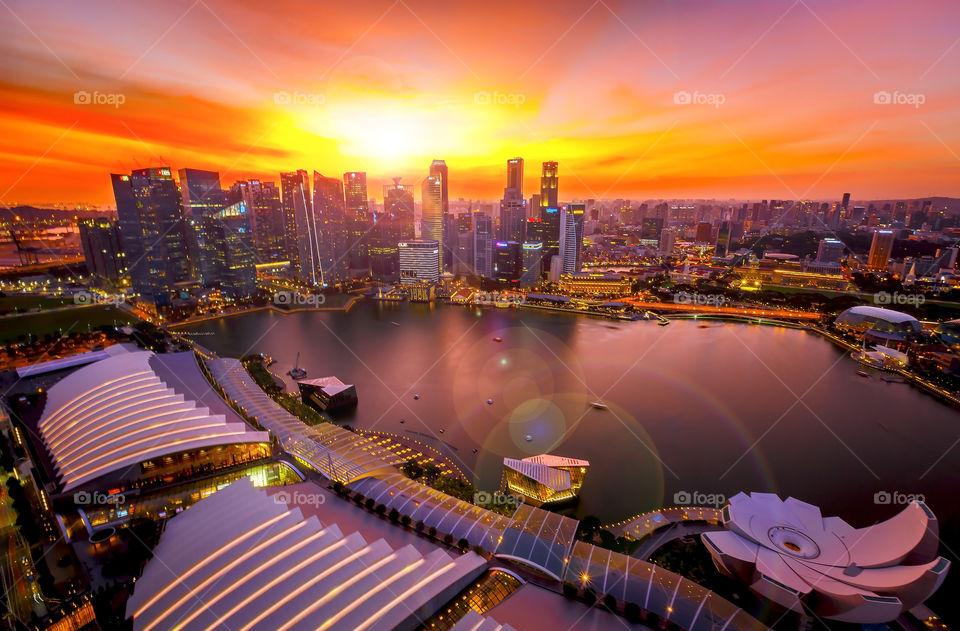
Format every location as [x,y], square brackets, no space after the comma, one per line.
[879,312]
[118,412]
[241,559]
[785,550]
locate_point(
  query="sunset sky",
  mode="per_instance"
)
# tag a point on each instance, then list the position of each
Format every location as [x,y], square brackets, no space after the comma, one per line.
[787,91]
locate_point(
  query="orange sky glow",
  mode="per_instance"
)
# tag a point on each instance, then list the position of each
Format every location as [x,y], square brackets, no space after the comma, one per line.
[786,97]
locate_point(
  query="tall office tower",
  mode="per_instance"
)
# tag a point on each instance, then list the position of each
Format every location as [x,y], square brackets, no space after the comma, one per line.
[265,216]
[463,256]
[550,212]
[419,261]
[668,238]
[571,236]
[722,248]
[398,200]
[387,232]
[858,214]
[228,248]
[100,240]
[880,249]
[358,240]
[483,245]
[152,230]
[533,206]
[845,203]
[507,261]
[513,213]
[830,251]
[900,211]
[431,211]
[438,170]
[703,232]
[355,194]
[202,195]
[532,264]
[330,230]
[297,205]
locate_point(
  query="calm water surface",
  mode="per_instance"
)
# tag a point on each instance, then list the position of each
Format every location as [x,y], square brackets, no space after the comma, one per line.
[692,409]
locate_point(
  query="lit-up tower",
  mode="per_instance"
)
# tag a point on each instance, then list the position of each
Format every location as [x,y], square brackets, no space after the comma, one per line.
[419,261]
[432,215]
[202,195]
[100,240]
[880,249]
[549,212]
[571,236]
[152,229]
[483,245]
[329,223]
[297,204]
[266,219]
[513,212]
[355,194]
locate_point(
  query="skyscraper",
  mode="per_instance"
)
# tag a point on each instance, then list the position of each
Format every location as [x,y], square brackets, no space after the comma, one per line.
[880,249]
[432,215]
[202,195]
[515,175]
[355,193]
[228,249]
[549,181]
[668,238]
[513,212]
[483,245]
[266,219]
[532,264]
[722,248]
[152,230]
[507,261]
[329,229]
[550,212]
[830,251]
[398,200]
[296,201]
[703,232]
[438,170]
[100,240]
[571,236]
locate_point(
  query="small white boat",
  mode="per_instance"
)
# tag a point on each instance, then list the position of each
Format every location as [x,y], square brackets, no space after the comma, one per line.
[489,401]
[441,431]
[395,323]
[528,437]
[416,397]
[297,372]
[598,405]
[863,373]
[498,339]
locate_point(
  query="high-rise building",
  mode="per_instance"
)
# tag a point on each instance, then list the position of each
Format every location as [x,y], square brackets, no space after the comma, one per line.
[668,238]
[297,204]
[419,261]
[152,230]
[571,236]
[650,228]
[532,264]
[515,175]
[513,212]
[431,212]
[549,181]
[880,249]
[330,230]
[845,203]
[100,241]
[550,211]
[228,249]
[355,194]
[265,216]
[507,261]
[398,200]
[703,232]
[483,240]
[722,248]
[830,251]
[438,170]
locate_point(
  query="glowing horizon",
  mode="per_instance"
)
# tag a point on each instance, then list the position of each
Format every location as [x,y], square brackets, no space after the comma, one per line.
[748,100]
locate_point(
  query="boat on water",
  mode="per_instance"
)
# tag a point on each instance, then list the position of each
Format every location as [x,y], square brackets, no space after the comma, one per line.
[863,373]
[528,438]
[489,401]
[663,323]
[598,405]
[395,323]
[297,372]
[416,397]
[498,339]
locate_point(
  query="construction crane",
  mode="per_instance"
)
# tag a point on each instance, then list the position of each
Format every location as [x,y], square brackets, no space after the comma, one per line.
[24,252]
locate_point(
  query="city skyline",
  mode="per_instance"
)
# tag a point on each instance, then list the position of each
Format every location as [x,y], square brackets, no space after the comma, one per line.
[794,101]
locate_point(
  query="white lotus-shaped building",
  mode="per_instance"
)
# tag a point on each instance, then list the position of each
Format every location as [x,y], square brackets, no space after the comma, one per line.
[788,552]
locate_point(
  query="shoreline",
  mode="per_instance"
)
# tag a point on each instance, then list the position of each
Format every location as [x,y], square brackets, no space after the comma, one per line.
[354,299]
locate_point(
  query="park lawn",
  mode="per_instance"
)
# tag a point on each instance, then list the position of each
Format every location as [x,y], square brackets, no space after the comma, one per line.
[65,322]
[22,304]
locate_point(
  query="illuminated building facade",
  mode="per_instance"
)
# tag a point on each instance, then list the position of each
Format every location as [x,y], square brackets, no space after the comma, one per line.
[100,241]
[152,231]
[355,194]
[419,261]
[483,241]
[571,236]
[507,261]
[266,218]
[532,262]
[431,213]
[297,207]
[550,211]
[880,249]
[594,284]
[545,479]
